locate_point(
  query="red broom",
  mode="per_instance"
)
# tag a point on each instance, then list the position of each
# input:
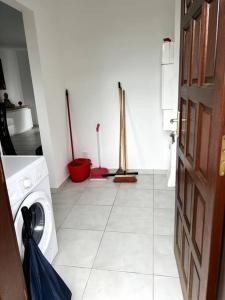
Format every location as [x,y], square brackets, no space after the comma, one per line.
[96,173]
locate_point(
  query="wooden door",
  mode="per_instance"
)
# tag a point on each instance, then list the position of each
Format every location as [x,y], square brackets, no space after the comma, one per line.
[200,192]
[12,284]
[221,283]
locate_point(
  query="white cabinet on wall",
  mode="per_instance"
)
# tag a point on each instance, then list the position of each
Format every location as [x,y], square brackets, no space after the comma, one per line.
[167,52]
[168,91]
[169,82]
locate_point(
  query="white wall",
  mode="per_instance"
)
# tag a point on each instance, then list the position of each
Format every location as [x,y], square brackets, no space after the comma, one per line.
[12,30]
[177,43]
[18,80]
[100,43]
[26,82]
[11,74]
[104,42]
[44,56]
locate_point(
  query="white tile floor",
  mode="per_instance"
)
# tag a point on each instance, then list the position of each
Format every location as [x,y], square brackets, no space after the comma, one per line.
[26,143]
[116,240]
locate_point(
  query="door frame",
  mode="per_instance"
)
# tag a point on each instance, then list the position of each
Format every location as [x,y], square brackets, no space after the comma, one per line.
[37,76]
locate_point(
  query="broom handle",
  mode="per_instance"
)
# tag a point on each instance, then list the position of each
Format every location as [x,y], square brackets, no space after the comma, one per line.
[121,124]
[70,127]
[98,144]
[124,129]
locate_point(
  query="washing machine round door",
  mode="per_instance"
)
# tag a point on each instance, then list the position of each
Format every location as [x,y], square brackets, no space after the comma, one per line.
[42,221]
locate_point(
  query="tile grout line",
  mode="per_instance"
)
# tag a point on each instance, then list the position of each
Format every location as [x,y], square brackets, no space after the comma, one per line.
[131,272]
[112,206]
[92,268]
[60,227]
[116,271]
[154,207]
[72,206]
[117,231]
[124,206]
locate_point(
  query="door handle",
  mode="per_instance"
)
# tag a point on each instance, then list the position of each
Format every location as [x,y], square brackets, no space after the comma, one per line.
[174,121]
[177,120]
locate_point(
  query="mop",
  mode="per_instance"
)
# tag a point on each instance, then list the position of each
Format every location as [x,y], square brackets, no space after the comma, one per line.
[122,175]
[79,168]
[96,173]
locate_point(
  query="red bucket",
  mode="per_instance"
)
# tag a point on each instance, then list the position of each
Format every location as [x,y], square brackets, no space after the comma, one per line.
[79,169]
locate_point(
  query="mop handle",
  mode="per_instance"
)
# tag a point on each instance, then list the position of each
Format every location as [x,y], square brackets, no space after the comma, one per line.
[98,144]
[125,133]
[69,117]
[121,124]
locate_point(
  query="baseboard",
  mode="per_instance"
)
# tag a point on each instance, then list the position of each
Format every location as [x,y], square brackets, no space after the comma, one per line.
[161,172]
[140,172]
[56,190]
[144,171]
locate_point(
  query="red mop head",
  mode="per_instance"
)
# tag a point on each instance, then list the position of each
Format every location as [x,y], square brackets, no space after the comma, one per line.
[97,173]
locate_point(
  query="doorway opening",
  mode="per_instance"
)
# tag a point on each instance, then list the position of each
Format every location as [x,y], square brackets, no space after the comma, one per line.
[16,88]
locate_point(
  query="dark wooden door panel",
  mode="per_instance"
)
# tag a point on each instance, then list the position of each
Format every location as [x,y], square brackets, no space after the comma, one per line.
[196,48]
[198,223]
[204,138]
[183,122]
[194,284]
[187,40]
[192,114]
[221,284]
[200,194]
[12,284]
[188,200]
[211,42]
[186,257]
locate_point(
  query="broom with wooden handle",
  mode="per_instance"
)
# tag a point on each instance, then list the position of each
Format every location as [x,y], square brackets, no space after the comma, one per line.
[122,175]
[125,176]
[120,170]
[122,148]
[124,132]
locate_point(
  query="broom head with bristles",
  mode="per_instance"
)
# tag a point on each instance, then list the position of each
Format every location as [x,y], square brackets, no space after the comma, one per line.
[125,179]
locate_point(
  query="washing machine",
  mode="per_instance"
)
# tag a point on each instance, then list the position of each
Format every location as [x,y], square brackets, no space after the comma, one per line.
[28,185]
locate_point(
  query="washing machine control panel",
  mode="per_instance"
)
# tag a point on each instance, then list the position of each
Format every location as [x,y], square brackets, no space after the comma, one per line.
[27,183]
[23,182]
[30,179]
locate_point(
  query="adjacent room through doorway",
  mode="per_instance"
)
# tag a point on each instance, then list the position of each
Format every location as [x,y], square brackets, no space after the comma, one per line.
[16,88]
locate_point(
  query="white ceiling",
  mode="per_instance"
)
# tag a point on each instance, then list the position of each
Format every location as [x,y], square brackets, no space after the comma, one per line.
[12,29]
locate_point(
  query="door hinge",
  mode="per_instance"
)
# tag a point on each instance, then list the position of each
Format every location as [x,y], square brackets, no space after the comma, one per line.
[222,158]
